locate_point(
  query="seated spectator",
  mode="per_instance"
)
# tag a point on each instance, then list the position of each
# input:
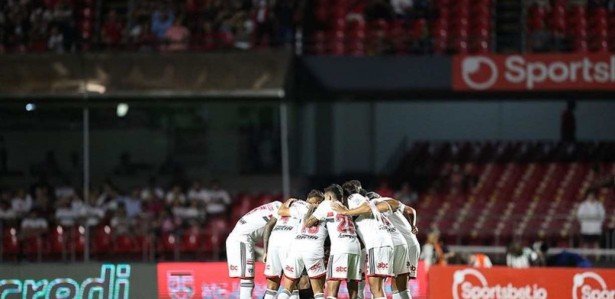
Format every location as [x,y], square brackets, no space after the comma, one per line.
[520,257]
[161,22]
[112,30]
[120,223]
[591,215]
[406,195]
[401,8]
[34,225]
[434,252]
[197,192]
[64,190]
[176,194]
[167,223]
[89,211]
[153,190]
[186,212]
[218,199]
[6,212]
[65,214]
[55,42]
[131,203]
[177,37]
[21,202]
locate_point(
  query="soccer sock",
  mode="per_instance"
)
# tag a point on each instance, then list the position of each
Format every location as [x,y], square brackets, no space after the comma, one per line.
[319,296]
[245,290]
[361,292]
[396,295]
[285,294]
[270,294]
[408,294]
[295,294]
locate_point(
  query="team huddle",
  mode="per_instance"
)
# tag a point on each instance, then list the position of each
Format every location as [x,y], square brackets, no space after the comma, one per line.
[370,236]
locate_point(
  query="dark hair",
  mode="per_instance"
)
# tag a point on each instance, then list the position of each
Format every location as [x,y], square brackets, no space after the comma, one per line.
[351,187]
[372,195]
[316,193]
[336,190]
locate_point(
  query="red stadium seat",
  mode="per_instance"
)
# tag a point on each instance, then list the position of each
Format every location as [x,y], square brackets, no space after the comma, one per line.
[10,243]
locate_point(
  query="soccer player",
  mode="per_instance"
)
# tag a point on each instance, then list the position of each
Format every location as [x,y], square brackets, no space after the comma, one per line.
[307,252]
[375,232]
[240,245]
[276,238]
[397,213]
[344,260]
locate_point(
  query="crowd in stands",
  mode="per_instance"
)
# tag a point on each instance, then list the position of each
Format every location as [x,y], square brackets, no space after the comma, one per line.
[146,210]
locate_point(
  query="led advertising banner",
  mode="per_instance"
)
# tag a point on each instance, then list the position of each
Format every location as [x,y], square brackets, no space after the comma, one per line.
[539,72]
[211,281]
[534,283]
[109,281]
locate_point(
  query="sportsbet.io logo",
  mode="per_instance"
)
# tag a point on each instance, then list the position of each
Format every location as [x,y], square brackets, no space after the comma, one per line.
[590,285]
[472,284]
[479,72]
[113,283]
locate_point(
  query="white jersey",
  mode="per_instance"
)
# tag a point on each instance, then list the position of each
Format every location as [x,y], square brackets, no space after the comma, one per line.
[403,226]
[287,227]
[373,232]
[388,220]
[252,223]
[311,239]
[341,229]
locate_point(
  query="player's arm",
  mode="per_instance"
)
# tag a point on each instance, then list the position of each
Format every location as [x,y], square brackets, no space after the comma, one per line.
[267,233]
[362,209]
[309,219]
[410,214]
[284,209]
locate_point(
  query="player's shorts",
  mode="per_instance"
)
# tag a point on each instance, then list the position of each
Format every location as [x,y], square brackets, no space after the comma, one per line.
[414,252]
[240,256]
[276,257]
[344,266]
[401,264]
[298,261]
[380,261]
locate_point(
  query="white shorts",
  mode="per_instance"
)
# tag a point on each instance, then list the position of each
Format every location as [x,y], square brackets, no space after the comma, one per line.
[298,261]
[344,266]
[414,252]
[276,257]
[401,263]
[380,261]
[240,257]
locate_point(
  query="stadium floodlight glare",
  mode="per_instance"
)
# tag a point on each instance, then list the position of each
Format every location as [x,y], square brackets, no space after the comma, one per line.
[30,107]
[122,109]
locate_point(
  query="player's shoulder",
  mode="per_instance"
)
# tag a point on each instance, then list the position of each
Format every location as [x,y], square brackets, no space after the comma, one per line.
[275,204]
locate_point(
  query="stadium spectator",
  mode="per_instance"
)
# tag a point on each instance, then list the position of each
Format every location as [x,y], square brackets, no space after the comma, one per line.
[161,22]
[152,190]
[131,203]
[401,8]
[218,199]
[479,260]
[568,259]
[6,213]
[120,223]
[568,126]
[197,192]
[434,252]
[591,215]
[518,256]
[175,195]
[21,202]
[92,213]
[55,42]
[177,36]
[33,225]
[65,189]
[65,214]
[112,30]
